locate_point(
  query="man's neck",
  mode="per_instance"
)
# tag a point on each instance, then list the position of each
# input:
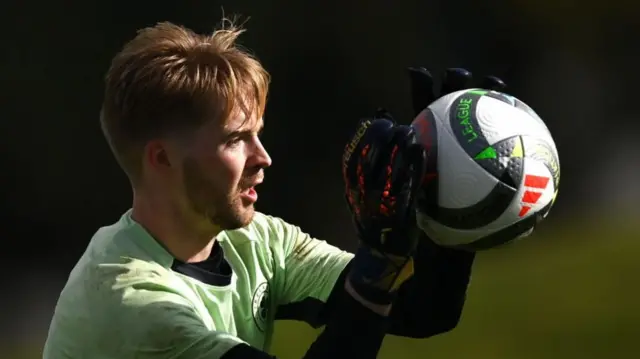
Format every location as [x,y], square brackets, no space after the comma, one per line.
[183,237]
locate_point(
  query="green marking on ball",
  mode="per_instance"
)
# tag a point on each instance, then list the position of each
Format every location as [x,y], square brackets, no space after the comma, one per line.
[478,92]
[465,126]
[487,153]
[465,123]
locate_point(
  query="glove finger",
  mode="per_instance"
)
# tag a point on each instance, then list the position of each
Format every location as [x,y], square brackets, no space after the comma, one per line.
[382,113]
[406,163]
[351,148]
[352,157]
[359,160]
[422,94]
[418,158]
[374,155]
[493,83]
[455,79]
[407,169]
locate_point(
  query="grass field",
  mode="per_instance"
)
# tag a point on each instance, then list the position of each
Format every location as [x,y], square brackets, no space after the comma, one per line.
[563,294]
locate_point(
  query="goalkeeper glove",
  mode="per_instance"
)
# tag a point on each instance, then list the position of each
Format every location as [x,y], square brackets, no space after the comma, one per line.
[423,91]
[382,169]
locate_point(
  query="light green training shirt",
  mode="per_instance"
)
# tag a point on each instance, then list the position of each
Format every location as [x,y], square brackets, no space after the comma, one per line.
[124,298]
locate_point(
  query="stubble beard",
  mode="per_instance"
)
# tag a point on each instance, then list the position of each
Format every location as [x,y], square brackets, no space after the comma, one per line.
[222,210]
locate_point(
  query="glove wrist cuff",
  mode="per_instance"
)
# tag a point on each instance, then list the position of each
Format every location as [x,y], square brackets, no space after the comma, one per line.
[377,276]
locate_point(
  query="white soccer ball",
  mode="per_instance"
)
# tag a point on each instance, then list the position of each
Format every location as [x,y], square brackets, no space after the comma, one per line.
[493,169]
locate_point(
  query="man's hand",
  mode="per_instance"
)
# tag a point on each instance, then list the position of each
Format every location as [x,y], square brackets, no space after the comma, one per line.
[382,168]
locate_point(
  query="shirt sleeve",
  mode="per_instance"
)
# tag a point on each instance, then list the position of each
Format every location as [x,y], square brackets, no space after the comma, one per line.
[307,269]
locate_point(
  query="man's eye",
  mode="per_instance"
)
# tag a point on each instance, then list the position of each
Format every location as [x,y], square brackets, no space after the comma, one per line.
[234,141]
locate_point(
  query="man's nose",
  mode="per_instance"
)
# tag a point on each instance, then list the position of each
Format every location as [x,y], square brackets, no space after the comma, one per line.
[262,158]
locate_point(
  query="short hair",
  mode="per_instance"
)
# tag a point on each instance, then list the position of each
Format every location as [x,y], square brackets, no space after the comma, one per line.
[169,81]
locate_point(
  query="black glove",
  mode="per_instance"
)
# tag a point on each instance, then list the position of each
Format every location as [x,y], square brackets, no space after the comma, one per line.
[382,168]
[423,91]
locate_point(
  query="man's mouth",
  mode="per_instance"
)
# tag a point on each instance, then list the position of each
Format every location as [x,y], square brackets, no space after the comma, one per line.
[250,194]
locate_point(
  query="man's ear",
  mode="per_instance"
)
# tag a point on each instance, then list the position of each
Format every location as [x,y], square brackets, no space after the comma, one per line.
[156,155]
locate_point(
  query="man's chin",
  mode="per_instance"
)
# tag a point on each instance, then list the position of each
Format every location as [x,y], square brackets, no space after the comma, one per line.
[247,216]
[240,219]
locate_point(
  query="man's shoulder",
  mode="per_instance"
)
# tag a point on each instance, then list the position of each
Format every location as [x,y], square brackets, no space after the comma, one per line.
[117,287]
[114,303]
[127,241]
[118,267]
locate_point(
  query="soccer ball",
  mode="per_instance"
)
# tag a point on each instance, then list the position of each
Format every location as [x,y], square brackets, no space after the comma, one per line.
[493,170]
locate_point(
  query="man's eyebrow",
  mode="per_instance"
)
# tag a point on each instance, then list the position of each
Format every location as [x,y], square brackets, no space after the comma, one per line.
[237,133]
[246,131]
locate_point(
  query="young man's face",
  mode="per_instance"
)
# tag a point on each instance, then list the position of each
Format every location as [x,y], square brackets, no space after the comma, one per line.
[220,170]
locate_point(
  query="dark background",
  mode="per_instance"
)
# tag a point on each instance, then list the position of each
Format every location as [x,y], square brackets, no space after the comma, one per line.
[333,62]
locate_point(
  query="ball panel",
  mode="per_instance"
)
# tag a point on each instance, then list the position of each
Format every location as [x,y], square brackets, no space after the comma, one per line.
[506,235]
[427,131]
[443,235]
[537,189]
[513,172]
[481,213]
[474,240]
[464,124]
[462,182]
[498,120]
[529,205]
[503,160]
[534,192]
[526,108]
[543,150]
[534,201]
[510,100]
[442,105]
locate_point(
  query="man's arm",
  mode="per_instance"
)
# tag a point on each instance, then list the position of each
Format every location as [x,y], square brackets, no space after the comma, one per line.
[315,273]
[352,331]
[432,300]
[306,272]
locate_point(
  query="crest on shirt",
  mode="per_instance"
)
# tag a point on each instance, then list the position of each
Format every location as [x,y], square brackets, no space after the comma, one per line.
[260,306]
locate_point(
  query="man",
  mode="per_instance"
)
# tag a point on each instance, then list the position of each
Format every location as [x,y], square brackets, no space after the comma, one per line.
[193,271]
